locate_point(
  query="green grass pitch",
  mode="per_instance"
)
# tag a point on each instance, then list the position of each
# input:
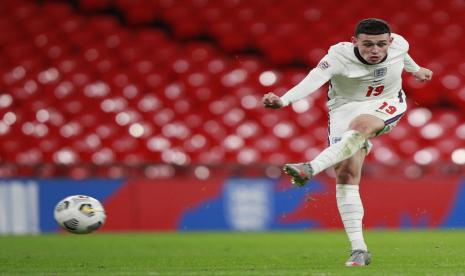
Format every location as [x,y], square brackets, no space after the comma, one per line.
[273,253]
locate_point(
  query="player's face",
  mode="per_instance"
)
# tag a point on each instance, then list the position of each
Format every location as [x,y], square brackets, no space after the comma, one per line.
[373,48]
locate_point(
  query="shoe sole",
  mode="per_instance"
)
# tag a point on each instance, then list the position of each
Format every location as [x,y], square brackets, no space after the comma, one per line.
[296,178]
[352,264]
[355,264]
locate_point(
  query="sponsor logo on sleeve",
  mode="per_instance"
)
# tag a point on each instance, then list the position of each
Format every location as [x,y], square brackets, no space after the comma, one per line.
[323,65]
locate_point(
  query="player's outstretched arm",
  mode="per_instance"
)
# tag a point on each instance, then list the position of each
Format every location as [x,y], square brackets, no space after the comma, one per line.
[423,75]
[271,100]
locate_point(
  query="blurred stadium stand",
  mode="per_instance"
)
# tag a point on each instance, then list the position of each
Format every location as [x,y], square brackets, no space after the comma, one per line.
[154,87]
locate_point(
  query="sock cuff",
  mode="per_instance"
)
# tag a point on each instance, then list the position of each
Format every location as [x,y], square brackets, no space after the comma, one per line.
[347,187]
[346,190]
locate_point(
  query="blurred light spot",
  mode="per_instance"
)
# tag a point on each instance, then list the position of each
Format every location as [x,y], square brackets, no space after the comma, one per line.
[432,131]
[103,156]
[176,129]
[30,87]
[163,116]
[302,106]
[215,129]
[131,91]
[114,105]
[386,156]
[41,130]
[136,130]
[182,106]
[197,79]
[270,119]
[419,116]
[9,118]
[49,75]
[123,118]
[92,141]
[312,152]
[34,129]
[218,107]
[247,129]
[451,82]
[249,102]
[149,103]
[413,171]
[460,131]
[144,66]
[196,142]
[233,142]
[70,129]
[64,89]
[202,172]
[233,117]
[458,156]
[448,120]
[175,156]
[312,14]
[268,78]
[234,77]
[97,89]
[277,158]
[247,156]
[267,144]
[399,132]
[174,91]
[160,171]
[426,156]
[42,115]
[4,128]
[181,66]
[30,157]
[300,144]
[273,171]
[28,128]
[18,72]
[158,143]
[283,130]
[216,66]
[65,156]
[5,100]
[41,40]
[91,54]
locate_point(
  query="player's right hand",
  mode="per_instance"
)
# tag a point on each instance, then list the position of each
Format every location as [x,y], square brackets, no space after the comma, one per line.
[271,100]
[424,74]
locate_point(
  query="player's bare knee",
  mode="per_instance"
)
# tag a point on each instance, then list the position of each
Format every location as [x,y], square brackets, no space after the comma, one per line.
[345,175]
[367,125]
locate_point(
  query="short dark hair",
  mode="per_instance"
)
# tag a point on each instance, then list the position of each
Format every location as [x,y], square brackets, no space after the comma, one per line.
[372,26]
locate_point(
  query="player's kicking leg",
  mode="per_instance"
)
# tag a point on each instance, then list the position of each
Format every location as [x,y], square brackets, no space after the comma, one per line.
[350,143]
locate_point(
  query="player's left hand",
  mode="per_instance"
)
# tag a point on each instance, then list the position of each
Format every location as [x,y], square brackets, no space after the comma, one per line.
[423,74]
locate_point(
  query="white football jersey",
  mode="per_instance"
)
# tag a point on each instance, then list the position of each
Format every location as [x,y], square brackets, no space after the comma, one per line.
[352,79]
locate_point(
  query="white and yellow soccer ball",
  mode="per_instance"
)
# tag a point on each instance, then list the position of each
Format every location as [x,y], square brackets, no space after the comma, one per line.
[80,214]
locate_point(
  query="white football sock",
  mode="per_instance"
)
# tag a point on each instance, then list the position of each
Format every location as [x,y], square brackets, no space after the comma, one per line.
[351,211]
[350,143]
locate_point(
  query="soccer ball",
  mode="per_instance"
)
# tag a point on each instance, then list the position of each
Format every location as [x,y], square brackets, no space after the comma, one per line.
[80,214]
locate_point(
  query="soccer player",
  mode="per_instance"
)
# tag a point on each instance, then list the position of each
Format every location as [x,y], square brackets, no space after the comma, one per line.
[365,100]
